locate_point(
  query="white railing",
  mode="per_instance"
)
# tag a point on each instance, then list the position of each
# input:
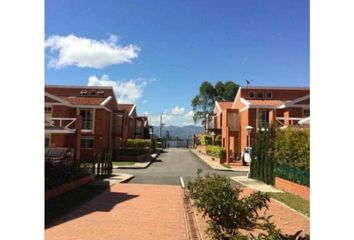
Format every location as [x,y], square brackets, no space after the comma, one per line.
[53,122]
[290,119]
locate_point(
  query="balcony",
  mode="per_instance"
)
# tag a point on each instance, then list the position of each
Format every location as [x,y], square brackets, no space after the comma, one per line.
[60,125]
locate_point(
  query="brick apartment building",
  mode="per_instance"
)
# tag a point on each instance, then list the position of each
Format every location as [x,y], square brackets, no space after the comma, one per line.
[258,107]
[89,120]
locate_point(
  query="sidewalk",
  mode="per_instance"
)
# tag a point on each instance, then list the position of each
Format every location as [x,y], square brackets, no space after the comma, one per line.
[215,165]
[126,212]
[143,164]
[114,179]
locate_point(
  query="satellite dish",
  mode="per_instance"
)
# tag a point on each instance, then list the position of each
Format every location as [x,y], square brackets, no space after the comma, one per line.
[247,157]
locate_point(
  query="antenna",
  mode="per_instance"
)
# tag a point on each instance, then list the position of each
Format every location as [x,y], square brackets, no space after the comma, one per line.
[248,82]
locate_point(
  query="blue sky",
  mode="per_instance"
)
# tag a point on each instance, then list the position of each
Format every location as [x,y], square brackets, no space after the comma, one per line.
[156,53]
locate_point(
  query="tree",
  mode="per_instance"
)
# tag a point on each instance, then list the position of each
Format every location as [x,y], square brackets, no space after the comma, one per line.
[204,102]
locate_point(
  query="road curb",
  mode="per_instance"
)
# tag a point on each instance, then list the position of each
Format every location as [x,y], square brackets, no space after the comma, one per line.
[220,169]
[143,167]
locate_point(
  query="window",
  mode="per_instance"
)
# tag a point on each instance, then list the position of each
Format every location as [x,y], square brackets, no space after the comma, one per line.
[260,95]
[251,94]
[48,109]
[306,113]
[264,117]
[269,95]
[83,92]
[87,118]
[100,92]
[87,142]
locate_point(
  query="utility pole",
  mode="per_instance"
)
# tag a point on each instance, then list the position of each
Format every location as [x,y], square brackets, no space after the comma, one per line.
[161,125]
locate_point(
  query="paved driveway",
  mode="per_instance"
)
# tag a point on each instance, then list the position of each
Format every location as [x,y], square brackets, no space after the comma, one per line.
[170,165]
[126,212]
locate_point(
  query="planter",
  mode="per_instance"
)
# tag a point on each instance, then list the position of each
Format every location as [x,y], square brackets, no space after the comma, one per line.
[69,186]
[294,188]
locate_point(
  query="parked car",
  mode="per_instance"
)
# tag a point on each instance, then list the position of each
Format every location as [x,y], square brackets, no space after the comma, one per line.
[59,156]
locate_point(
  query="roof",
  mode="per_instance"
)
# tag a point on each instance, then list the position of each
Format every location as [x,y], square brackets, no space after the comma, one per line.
[225,105]
[275,87]
[84,100]
[220,106]
[270,103]
[125,107]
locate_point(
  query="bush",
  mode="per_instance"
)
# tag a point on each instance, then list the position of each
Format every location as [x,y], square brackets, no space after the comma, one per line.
[217,140]
[159,144]
[215,197]
[204,139]
[138,143]
[294,174]
[292,147]
[216,151]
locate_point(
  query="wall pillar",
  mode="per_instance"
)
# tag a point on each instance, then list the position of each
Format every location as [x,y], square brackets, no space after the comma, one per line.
[78,126]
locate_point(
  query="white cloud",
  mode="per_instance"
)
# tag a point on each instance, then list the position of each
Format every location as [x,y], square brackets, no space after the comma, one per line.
[126,91]
[86,52]
[177,110]
[171,119]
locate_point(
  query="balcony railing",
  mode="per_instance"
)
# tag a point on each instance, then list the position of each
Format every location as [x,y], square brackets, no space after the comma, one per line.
[59,124]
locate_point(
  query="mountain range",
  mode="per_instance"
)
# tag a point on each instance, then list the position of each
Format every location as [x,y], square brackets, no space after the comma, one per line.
[183,132]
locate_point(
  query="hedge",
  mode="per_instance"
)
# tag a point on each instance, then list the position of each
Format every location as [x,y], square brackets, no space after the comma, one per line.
[205,139]
[217,140]
[138,143]
[294,174]
[216,151]
[292,147]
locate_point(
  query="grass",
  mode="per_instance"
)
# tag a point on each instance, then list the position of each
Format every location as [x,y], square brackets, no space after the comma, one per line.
[123,163]
[59,206]
[293,201]
[225,165]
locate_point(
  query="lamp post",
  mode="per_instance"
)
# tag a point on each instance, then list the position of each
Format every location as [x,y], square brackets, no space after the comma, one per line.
[249,130]
[212,134]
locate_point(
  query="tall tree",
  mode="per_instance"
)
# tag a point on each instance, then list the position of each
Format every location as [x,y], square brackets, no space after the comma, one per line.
[203,103]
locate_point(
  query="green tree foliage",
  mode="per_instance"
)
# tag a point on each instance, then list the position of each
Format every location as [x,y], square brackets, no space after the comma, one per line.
[204,102]
[217,140]
[204,139]
[215,197]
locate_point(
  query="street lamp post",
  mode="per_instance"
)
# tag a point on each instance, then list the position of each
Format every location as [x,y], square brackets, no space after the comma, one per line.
[249,130]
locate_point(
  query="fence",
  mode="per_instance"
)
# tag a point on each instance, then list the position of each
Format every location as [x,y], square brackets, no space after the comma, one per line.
[62,170]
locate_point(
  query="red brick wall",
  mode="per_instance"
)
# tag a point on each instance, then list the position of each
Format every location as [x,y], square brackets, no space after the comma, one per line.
[294,188]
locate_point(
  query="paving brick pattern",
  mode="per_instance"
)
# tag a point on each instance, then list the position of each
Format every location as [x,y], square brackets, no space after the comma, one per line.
[127,211]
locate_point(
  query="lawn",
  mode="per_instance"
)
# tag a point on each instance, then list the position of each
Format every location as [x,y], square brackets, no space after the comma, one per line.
[59,206]
[293,201]
[225,165]
[123,163]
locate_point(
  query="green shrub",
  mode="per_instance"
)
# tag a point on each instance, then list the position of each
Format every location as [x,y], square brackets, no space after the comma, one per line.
[138,143]
[217,140]
[159,144]
[215,197]
[262,164]
[292,147]
[216,151]
[204,139]
[294,174]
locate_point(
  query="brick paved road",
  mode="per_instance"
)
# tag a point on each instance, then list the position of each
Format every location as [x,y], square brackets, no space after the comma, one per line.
[126,212]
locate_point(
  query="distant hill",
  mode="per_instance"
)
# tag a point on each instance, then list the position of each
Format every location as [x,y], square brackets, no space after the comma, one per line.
[184,132]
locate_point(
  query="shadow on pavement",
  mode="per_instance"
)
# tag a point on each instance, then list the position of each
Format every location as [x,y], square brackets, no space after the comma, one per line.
[103,202]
